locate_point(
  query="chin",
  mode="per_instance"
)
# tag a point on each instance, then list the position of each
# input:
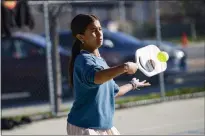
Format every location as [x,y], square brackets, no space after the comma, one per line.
[99,45]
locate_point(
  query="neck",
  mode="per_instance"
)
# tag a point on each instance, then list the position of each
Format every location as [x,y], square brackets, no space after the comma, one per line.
[96,53]
[93,51]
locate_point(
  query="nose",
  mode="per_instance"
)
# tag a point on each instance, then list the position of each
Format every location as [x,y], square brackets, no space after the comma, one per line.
[99,33]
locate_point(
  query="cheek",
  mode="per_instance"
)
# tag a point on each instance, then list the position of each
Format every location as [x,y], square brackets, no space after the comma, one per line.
[90,38]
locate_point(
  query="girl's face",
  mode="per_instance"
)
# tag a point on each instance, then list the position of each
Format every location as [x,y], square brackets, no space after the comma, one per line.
[93,36]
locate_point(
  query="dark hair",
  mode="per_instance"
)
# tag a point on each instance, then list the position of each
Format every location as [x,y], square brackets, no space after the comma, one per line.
[78,26]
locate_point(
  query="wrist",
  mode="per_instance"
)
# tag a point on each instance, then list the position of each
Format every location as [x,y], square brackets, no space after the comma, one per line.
[134,85]
[125,67]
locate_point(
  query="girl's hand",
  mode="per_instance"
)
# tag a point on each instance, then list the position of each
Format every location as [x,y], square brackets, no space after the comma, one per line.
[130,67]
[136,83]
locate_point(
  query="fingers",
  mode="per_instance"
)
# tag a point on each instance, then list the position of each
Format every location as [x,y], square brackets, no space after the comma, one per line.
[140,84]
[147,84]
[132,67]
[143,81]
[134,78]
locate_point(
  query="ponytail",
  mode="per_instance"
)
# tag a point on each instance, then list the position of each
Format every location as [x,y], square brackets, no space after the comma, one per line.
[75,51]
[78,26]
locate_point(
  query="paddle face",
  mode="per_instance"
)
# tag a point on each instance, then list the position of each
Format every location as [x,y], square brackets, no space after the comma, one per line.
[148,60]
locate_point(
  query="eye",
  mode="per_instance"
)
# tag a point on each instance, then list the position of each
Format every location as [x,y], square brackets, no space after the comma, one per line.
[93,30]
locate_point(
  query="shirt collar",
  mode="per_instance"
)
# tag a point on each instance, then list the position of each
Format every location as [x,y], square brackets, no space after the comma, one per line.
[84,51]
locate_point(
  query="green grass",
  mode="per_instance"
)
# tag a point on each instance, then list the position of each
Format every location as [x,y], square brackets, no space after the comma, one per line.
[120,101]
[174,92]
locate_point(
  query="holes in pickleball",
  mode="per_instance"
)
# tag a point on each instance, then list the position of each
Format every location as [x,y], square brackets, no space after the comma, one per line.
[150,65]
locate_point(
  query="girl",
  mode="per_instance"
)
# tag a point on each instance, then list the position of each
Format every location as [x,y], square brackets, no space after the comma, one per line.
[92,81]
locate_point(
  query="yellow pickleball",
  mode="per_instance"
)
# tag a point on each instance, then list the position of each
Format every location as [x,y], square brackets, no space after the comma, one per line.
[162,56]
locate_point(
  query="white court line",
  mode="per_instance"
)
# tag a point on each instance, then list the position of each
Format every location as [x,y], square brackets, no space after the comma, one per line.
[169,125]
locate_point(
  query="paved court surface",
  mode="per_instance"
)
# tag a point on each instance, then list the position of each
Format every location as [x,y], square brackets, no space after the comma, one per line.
[168,118]
[177,117]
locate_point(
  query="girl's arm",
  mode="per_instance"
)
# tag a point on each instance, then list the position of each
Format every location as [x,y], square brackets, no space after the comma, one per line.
[124,89]
[134,84]
[110,73]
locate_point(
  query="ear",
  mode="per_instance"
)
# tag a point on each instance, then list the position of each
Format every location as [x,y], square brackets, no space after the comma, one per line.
[80,37]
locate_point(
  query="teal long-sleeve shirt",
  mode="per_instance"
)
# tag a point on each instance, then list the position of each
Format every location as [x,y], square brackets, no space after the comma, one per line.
[94,104]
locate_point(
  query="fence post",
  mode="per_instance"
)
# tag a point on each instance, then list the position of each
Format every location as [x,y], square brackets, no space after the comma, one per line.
[49,59]
[161,75]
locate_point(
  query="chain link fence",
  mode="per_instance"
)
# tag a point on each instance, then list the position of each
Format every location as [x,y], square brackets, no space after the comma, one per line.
[24,60]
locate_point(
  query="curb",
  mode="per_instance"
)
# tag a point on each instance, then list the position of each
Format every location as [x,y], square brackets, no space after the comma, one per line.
[139,103]
[10,124]
[153,101]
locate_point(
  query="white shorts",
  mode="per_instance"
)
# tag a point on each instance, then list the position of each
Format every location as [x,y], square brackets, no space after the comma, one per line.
[74,130]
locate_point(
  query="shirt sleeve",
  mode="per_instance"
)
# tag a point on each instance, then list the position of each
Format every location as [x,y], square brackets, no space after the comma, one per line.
[116,88]
[88,71]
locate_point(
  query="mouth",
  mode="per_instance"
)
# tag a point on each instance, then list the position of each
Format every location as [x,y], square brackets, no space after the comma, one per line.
[100,40]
